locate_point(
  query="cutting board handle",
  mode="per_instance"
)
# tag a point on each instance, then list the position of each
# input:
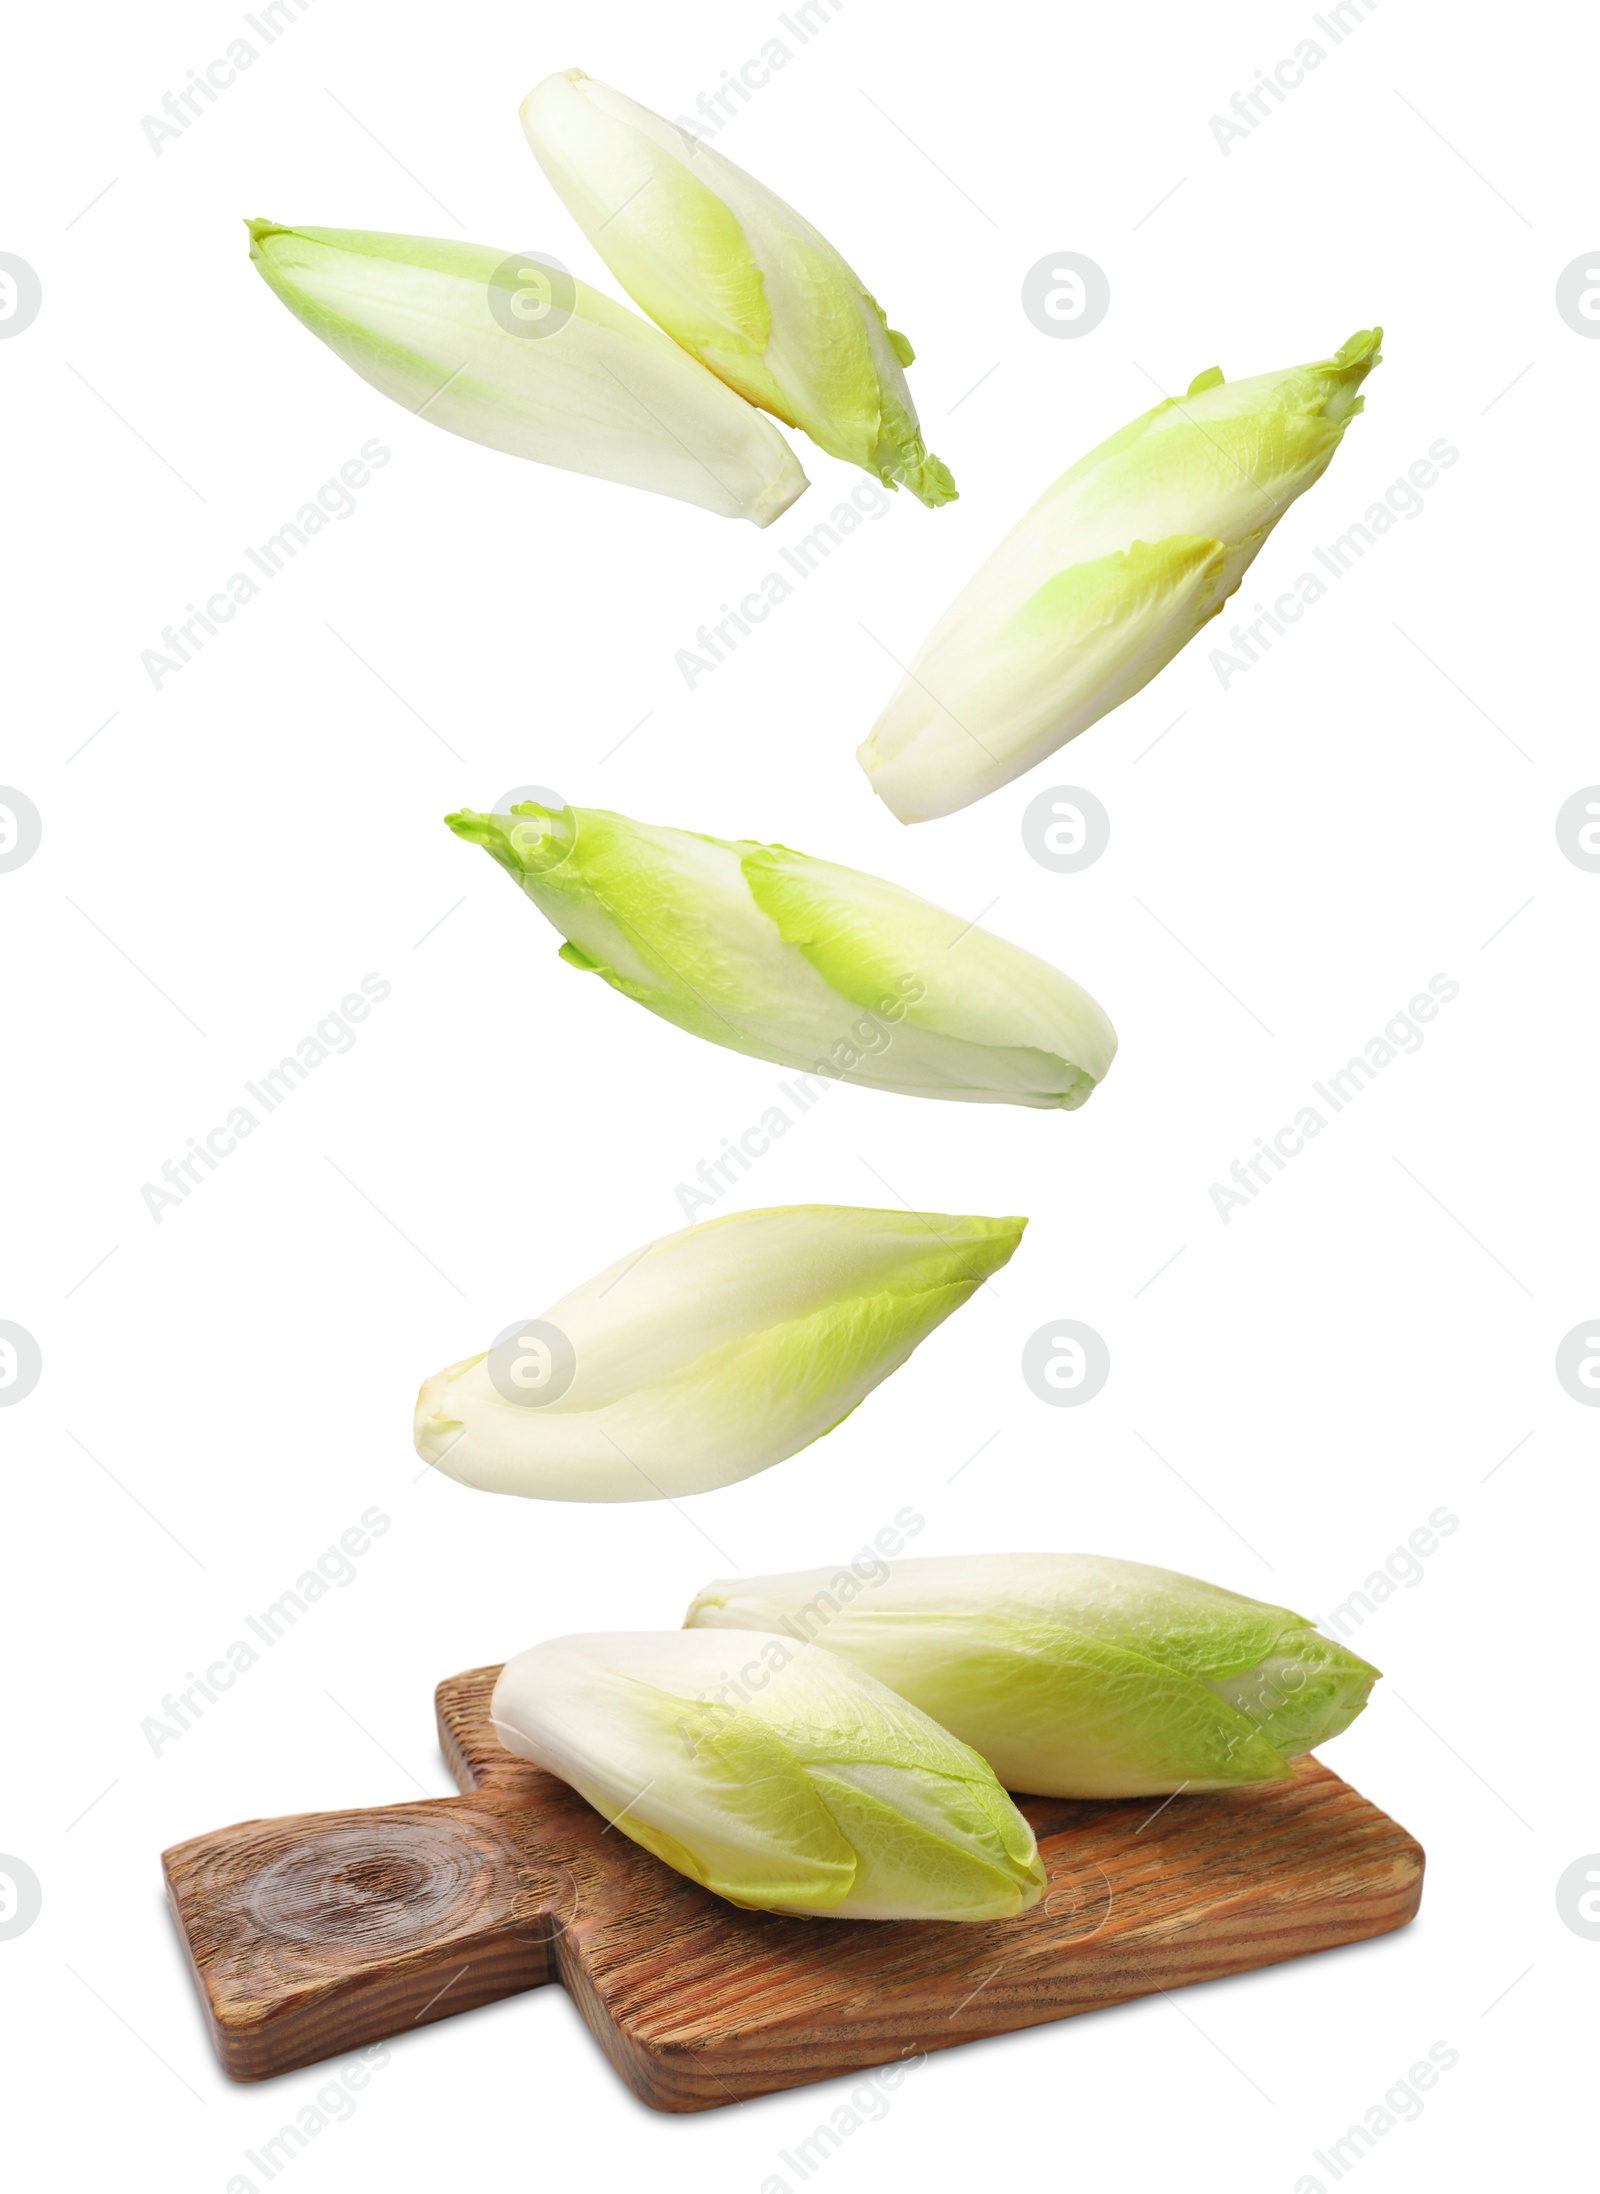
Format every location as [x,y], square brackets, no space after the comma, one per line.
[322,1932]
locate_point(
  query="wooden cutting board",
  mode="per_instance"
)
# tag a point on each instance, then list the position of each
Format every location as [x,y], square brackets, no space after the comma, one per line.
[321,1932]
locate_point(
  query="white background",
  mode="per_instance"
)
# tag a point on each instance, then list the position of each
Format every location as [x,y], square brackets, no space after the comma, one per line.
[225,858]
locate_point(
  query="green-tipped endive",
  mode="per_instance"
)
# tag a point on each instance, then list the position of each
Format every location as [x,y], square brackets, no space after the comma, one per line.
[775,1775]
[1106,578]
[707,1356]
[819,968]
[507,351]
[1075,1676]
[735,276]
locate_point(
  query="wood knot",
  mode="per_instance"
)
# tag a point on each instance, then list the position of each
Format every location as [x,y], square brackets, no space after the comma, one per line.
[384,1883]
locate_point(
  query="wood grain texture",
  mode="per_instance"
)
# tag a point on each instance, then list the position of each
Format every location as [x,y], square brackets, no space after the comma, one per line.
[322,1932]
